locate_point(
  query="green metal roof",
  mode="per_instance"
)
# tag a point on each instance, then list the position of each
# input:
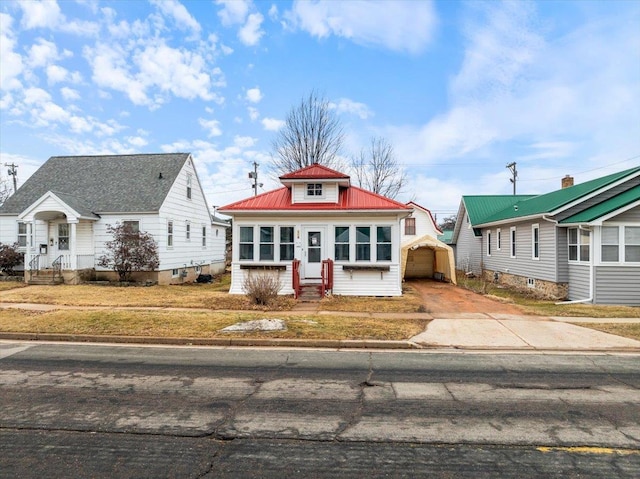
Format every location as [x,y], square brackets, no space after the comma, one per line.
[606,207]
[549,202]
[446,236]
[481,207]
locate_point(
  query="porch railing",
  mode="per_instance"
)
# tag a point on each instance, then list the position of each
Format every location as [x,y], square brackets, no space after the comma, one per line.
[56,266]
[34,264]
[327,277]
[296,277]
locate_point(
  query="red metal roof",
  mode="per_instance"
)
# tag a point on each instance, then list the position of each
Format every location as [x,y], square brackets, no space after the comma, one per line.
[351,198]
[312,172]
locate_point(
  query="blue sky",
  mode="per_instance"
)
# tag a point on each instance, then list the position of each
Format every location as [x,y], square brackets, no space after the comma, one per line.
[460,89]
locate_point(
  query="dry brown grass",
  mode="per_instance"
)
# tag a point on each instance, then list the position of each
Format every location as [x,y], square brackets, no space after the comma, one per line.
[627,330]
[191,324]
[409,302]
[7,285]
[542,307]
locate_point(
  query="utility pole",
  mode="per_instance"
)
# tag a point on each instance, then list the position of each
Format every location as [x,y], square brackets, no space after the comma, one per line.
[514,172]
[12,172]
[254,176]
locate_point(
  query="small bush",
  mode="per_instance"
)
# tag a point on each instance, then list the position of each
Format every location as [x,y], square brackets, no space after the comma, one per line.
[261,288]
[10,257]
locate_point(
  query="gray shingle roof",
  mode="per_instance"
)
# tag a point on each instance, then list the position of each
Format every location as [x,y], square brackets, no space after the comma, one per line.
[102,184]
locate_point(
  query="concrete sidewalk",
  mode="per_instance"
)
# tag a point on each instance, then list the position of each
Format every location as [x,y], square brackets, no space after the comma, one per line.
[472,331]
[505,331]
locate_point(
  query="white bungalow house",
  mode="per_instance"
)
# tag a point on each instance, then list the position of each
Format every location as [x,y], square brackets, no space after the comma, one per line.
[581,242]
[59,216]
[318,229]
[423,254]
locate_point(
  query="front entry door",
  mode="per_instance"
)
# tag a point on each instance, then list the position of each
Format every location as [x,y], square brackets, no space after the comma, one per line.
[314,245]
[59,239]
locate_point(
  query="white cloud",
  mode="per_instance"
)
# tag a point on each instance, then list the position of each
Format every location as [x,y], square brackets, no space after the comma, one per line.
[244,141]
[42,53]
[56,74]
[272,124]
[251,33]
[213,126]
[254,114]
[47,14]
[233,12]
[254,95]
[11,65]
[345,105]
[69,94]
[179,13]
[406,26]
[137,141]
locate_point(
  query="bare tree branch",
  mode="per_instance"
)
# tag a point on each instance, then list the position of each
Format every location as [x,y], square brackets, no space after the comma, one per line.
[377,169]
[312,134]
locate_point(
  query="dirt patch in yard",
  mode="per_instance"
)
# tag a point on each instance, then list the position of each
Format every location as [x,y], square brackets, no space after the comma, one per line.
[449,298]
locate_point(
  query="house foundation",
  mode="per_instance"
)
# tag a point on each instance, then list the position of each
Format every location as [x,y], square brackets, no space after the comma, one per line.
[539,287]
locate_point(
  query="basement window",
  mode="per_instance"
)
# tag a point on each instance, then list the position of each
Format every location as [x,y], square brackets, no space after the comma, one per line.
[531,283]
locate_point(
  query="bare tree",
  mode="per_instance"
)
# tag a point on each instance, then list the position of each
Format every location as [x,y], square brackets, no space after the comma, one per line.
[448,223]
[312,134]
[129,251]
[5,191]
[377,169]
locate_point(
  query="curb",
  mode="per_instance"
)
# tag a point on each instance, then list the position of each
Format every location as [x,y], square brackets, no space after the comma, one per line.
[283,342]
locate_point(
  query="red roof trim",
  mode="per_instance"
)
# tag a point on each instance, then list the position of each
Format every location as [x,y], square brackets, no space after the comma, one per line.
[428,211]
[315,171]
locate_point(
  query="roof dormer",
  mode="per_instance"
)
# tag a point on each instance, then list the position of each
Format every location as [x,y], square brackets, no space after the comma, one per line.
[315,184]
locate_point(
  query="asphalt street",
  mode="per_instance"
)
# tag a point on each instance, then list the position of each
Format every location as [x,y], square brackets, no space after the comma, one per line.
[79,410]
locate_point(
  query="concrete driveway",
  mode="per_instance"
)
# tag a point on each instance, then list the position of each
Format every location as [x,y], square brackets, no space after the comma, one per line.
[467,320]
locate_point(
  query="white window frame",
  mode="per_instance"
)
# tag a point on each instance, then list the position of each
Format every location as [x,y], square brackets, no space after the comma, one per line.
[384,243]
[170,232]
[175,272]
[617,244]
[187,230]
[291,243]
[24,235]
[513,243]
[134,224]
[61,236]
[498,239]
[580,233]
[204,236]
[314,190]
[241,243]
[488,249]
[407,231]
[535,242]
[624,240]
[364,243]
[271,243]
[189,189]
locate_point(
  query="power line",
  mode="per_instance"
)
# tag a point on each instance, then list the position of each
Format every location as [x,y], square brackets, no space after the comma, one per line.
[589,171]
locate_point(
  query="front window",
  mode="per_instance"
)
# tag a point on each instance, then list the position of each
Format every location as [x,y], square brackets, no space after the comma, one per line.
[383,246]
[579,244]
[22,235]
[246,242]
[410,226]
[170,234]
[266,243]
[610,251]
[342,243]
[131,226]
[632,244]
[535,242]
[363,243]
[314,189]
[286,243]
[63,236]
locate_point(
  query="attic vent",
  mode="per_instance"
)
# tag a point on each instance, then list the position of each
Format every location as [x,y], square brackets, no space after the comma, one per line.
[160,176]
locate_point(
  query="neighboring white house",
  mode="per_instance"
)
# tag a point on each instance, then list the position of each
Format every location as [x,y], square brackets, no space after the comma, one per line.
[423,255]
[319,226]
[59,216]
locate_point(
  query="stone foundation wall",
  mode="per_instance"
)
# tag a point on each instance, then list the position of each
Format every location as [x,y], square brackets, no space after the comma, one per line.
[542,288]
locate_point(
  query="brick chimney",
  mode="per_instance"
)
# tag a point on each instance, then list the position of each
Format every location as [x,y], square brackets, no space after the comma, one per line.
[567,181]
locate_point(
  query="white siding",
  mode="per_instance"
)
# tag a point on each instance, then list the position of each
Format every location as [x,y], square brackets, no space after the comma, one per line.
[424,226]
[362,283]
[329,193]
[579,281]
[469,248]
[523,264]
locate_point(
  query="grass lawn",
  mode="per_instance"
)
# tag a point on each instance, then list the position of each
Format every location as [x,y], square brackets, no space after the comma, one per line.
[195,324]
[627,330]
[543,307]
[409,302]
[7,285]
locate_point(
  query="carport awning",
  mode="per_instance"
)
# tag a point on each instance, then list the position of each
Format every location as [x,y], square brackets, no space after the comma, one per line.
[444,261]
